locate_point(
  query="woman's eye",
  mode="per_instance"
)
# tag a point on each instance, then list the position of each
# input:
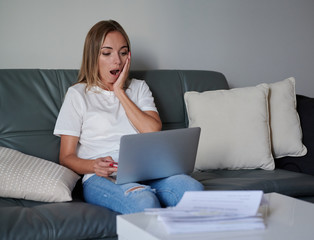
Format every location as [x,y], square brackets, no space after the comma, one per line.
[105,54]
[124,53]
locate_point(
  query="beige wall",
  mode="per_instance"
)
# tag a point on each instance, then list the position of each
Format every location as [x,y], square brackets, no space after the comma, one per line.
[250,41]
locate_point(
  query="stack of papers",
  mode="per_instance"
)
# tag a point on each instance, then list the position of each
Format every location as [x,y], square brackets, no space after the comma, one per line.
[208,211]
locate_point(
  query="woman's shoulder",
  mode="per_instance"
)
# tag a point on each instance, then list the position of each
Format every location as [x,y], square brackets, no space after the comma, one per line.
[78,89]
[139,87]
[137,83]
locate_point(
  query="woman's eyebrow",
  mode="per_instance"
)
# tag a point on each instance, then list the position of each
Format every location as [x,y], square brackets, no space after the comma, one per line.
[107,47]
[112,48]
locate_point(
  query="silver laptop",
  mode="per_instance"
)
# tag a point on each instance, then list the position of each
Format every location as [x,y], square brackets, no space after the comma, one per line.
[148,156]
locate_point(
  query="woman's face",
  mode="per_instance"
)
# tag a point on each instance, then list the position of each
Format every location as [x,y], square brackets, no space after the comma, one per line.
[113,55]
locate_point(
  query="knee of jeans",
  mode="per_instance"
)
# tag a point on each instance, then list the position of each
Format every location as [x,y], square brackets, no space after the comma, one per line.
[190,183]
[139,188]
[136,188]
[144,196]
[196,186]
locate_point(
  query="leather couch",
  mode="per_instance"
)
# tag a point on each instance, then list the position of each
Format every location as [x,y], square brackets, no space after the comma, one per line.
[30,100]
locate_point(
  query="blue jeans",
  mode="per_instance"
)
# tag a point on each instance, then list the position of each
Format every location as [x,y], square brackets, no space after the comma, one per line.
[135,197]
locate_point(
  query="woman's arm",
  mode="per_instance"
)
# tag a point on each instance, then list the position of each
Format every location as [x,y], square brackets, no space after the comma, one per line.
[143,121]
[68,158]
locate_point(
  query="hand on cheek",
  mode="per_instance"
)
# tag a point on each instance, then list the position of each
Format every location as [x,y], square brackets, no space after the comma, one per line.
[119,84]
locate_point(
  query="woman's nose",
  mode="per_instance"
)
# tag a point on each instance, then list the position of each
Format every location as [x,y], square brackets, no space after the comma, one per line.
[117,59]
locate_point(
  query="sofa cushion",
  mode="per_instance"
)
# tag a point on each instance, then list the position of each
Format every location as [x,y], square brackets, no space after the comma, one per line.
[279,180]
[305,164]
[235,128]
[27,177]
[24,219]
[286,132]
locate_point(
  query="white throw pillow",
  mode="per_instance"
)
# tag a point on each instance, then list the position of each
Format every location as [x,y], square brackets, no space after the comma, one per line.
[27,177]
[286,132]
[235,132]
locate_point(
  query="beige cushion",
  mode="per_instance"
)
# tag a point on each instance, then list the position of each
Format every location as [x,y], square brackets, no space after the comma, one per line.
[286,132]
[235,132]
[32,178]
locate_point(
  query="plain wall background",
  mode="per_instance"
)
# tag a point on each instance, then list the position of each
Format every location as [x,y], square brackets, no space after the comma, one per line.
[250,41]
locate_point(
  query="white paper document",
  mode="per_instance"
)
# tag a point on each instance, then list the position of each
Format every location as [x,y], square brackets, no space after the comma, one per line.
[204,211]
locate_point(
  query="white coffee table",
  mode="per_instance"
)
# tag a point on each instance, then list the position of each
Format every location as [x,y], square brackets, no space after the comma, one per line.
[287,218]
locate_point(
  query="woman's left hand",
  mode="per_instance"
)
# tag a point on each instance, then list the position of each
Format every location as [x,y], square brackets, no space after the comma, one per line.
[148,121]
[119,84]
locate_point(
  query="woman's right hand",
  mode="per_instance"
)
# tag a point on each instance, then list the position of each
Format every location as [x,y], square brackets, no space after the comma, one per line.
[103,167]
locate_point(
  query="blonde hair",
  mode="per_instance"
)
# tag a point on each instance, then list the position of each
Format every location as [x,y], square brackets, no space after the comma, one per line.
[95,37]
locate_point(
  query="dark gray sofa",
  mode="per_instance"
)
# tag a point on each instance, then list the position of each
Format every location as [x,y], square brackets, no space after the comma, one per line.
[30,100]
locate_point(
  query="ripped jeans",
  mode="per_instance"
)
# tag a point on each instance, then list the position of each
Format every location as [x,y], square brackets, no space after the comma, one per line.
[135,197]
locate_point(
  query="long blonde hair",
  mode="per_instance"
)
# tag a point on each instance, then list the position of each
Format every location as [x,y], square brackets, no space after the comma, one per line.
[95,37]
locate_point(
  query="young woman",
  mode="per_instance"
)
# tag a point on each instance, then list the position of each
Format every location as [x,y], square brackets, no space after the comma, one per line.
[103,106]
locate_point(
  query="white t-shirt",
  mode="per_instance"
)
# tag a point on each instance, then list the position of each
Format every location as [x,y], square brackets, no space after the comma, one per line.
[97,117]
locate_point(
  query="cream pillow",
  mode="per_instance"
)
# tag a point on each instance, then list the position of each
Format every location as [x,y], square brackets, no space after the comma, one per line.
[235,131]
[286,132]
[32,178]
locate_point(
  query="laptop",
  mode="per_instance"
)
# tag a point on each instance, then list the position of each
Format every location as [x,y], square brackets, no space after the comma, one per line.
[148,156]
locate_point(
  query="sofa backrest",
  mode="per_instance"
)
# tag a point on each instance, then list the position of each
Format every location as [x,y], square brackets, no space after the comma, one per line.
[30,100]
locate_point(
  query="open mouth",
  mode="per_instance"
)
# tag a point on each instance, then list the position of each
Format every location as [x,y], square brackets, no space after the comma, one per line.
[115,72]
